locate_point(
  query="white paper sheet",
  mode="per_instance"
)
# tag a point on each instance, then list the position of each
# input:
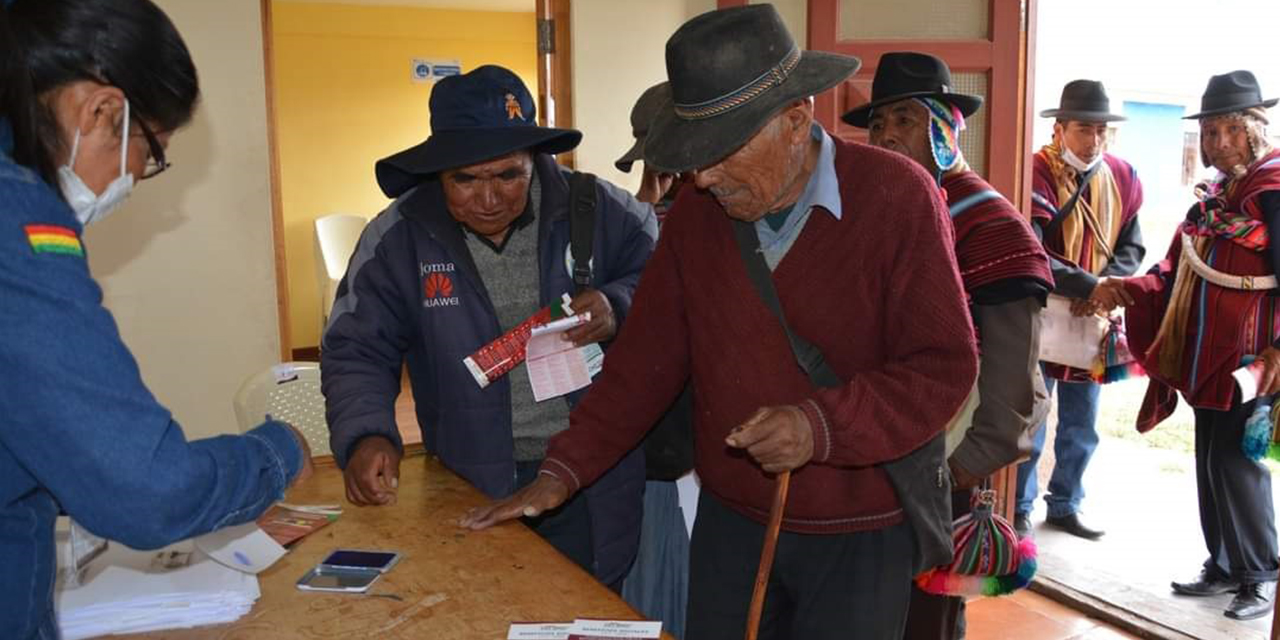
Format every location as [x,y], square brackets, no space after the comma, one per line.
[1066,339]
[555,366]
[128,591]
[243,547]
[1247,378]
[539,631]
[611,629]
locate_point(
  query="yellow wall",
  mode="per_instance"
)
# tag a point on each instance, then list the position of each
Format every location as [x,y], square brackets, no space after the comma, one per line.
[344,99]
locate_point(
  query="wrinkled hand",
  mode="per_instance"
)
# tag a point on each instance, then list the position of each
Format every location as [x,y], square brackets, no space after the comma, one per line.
[962,479]
[1109,294]
[777,438]
[1269,383]
[372,475]
[307,468]
[602,325]
[654,185]
[1081,307]
[543,494]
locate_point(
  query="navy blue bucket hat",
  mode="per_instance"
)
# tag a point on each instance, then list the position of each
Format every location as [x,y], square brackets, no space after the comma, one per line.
[476,116]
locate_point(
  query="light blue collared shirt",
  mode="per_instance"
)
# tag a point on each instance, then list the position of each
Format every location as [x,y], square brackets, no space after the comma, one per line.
[822,190]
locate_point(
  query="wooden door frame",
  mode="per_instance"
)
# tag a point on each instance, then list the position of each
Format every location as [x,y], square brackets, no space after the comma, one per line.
[555,69]
[277,207]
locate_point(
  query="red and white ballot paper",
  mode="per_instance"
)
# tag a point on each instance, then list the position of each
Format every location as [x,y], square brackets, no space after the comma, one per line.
[556,366]
[586,629]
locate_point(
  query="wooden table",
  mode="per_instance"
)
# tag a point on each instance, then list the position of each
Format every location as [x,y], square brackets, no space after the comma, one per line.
[454,584]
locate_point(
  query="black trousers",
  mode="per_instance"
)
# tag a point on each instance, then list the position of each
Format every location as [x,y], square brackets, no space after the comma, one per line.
[933,617]
[1236,512]
[836,586]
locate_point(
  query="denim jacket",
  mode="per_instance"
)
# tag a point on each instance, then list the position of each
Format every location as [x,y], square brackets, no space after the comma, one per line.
[80,432]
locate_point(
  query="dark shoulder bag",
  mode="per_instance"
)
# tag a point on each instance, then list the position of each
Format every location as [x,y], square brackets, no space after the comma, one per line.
[668,449]
[920,478]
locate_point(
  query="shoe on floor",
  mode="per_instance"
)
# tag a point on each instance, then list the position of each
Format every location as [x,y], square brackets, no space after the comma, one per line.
[1253,600]
[1205,585]
[1072,525]
[1022,525]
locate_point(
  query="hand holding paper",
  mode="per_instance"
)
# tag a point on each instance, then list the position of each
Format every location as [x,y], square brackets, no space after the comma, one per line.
[1260,377]
[602,326]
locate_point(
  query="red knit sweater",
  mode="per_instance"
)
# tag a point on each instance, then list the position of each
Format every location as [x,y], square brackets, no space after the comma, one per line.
[877,291]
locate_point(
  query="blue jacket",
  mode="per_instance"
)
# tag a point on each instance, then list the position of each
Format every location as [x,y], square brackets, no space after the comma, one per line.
[382,318]
[78,428]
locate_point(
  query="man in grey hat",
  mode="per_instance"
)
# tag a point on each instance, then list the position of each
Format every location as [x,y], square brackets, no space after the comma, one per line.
[1084,207]
[877,311]
[478,241]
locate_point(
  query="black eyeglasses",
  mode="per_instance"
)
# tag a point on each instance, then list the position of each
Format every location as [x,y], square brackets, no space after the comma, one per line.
[156,162]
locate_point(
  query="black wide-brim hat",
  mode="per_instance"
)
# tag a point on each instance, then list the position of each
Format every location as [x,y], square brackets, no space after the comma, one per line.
[476,116]
[906,74]
[642,114]
[1083,101]
[1231,92]
[730,71]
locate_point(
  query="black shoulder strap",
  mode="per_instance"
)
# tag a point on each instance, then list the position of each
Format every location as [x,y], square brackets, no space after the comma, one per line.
[1066,209]
[582,223]
[919,478]
[808,356]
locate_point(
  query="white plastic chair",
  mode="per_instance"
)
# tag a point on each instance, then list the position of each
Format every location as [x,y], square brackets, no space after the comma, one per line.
[336,238]
[289,392]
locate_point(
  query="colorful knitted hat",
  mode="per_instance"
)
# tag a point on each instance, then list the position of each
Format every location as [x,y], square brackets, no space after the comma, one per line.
[989,558]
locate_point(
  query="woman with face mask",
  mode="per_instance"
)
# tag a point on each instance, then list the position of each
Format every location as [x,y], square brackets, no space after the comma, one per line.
[90,92]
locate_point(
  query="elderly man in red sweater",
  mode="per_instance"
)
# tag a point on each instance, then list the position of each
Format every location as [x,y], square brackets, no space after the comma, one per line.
[880,304]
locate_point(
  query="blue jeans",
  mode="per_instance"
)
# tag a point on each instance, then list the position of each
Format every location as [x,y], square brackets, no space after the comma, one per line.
[1073,447]
[658,585]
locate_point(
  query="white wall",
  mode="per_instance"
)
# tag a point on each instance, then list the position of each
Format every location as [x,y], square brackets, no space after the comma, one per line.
[619,51]
[187,265]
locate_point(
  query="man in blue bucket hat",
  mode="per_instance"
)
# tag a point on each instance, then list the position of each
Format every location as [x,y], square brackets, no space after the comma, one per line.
[477,241]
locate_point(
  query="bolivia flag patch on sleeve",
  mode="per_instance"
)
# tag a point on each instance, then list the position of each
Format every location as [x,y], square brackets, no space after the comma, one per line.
[49,238]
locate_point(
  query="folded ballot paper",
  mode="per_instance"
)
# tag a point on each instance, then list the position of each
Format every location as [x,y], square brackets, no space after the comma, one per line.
[180,586]
[586,629]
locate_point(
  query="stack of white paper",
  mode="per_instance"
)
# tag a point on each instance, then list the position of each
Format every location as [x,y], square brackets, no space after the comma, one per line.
[127,591]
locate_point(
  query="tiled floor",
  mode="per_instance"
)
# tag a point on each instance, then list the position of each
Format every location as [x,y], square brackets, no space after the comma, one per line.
[1029,616]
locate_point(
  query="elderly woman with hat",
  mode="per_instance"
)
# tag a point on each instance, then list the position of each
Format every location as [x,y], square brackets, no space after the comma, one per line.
[1206,310]
[478,241]
[781,206]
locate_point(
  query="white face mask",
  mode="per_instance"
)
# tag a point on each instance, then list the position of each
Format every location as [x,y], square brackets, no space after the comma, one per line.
[1075,161]
[89,206]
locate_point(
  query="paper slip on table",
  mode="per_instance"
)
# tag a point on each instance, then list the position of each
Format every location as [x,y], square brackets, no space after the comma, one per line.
[453,584]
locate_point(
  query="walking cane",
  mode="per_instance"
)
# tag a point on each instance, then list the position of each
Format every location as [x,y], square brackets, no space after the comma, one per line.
[766,554]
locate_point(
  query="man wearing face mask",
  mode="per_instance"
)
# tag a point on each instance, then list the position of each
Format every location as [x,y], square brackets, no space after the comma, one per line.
[477,241]
[90,92]
[1084,206]
[1204,311]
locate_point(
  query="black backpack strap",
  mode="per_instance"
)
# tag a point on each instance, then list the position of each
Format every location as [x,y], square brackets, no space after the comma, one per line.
[808,356]
[1070,205]
[582,224]
[920,478]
